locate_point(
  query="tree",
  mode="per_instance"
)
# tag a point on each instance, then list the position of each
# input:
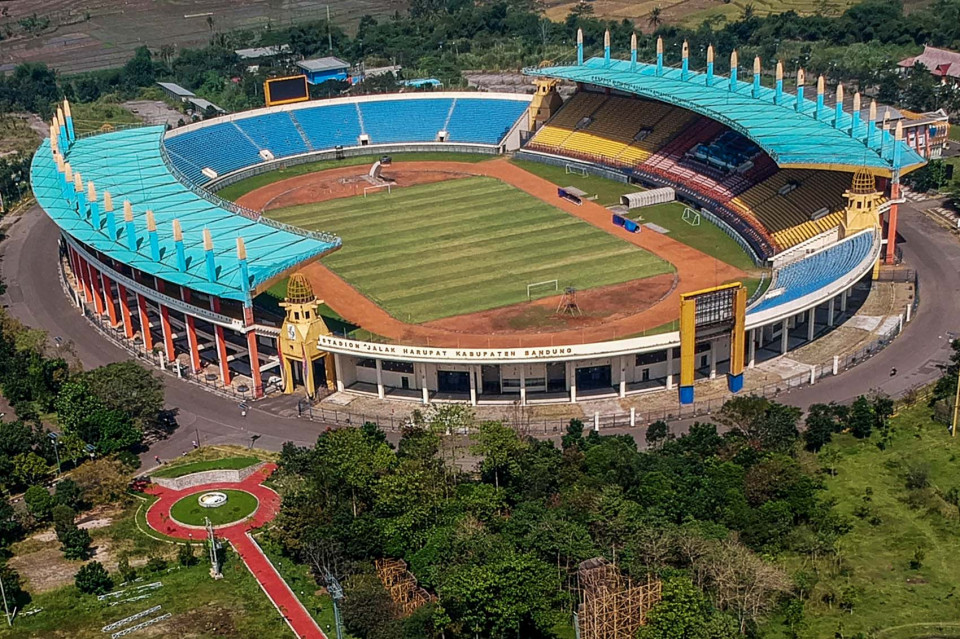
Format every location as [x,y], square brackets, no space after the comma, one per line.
[129,388]
[139,71]
[93,579]
[450,418]
[655,19]
[499,445]
[30,468]
[767,424]
[861,418]
[39,502]
[68,493]
[367,606]
[821,424]
[684,613]
[185,556]
[573,436]
[74,542]
[127,572]
[657,433]
[63,520]
[17,597]
[102,481]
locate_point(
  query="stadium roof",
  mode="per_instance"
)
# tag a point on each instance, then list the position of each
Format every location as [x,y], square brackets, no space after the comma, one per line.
[793,139]
[129,164]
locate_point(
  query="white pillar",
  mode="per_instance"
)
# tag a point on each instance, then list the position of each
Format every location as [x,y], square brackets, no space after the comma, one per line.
[836,364]
[713,360]
[813,375]
[473,387]
[784,337]
[623,376]
[843,301]
[633,416]
[753,349]
[596,421]
[831,307]
[670,368]
[909,308]
[523,384]
[900,324]
[423,383]
[339,366]
[572,380]
[811,323]
[380,392]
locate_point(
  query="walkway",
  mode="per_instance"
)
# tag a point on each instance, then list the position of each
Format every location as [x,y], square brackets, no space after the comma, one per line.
[158,517]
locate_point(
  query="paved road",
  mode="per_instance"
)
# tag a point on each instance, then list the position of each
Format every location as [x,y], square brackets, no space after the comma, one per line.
[29,268]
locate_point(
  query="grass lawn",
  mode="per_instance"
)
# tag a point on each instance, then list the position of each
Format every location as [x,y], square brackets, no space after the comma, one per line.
[231,607]
[436,250]
[227,463]
[91,116]
[893,600]
[238,189]
[954,133]
[239,504]
[706,237]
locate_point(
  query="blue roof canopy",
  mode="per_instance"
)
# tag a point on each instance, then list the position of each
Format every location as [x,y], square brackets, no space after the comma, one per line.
[792,137]
[129,164]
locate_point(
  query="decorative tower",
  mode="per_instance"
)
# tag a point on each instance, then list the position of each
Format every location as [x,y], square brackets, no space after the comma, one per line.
[545,103]
[863,201]
[303,363]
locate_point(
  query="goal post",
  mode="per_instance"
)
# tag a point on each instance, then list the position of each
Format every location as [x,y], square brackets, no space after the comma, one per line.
[388,187]
[546,285]
[691,217]
[576,170]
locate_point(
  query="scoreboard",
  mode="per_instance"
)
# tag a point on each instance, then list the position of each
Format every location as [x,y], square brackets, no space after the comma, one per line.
[286,90]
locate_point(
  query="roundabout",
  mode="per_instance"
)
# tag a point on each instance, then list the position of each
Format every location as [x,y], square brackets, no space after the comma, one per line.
[222,507]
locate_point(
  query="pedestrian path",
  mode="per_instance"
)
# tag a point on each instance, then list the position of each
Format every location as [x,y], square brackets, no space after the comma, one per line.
[238,534]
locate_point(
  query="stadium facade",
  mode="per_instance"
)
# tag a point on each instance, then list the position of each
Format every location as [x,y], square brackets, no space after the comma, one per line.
[148,249]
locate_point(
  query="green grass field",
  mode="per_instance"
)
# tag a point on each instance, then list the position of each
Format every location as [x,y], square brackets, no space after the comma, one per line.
[461,246]
[893,600]
[228,463]
[239,504]
[706,237]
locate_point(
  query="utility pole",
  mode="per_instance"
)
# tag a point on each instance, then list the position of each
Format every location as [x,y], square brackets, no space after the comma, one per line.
[6,609]
[336,593]
[329,34]
[956,404]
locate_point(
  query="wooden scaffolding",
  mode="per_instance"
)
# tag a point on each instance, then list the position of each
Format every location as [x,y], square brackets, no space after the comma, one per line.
[611,606]
[402,585]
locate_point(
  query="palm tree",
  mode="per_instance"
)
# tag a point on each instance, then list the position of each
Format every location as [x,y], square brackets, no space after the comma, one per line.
[748,12]
[654,20]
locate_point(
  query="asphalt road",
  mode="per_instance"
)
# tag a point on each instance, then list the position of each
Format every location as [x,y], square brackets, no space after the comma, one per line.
[35,297]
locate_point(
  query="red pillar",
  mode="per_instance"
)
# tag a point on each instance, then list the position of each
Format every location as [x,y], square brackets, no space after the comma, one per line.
[94,276]
[167,332]
[108,299]
[254,364]
[125,310]
[222,357]
[144,323]
[191,334]
[80,275]
[891,255]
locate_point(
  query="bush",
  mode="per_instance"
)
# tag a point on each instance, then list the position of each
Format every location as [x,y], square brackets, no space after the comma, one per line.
[63,517]
[918,556]
[39,502]
[69,494]
[185,556]
[127,572]
[93,579]
[156,564]
[75,543]
[917,476]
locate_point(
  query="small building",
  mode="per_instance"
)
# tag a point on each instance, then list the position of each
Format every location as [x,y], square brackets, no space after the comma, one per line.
[176,91]
[255,54]
[926,133]
[320,70]
[200,106]
[943,63]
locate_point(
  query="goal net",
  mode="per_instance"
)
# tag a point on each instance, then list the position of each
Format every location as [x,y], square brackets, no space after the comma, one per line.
[576,170]
[538,289]
[691,217]
[377,187]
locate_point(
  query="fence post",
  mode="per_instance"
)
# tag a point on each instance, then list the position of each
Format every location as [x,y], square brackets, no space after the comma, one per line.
[596,421]
[813,375]
[633,416]
[836,364]
[908,312]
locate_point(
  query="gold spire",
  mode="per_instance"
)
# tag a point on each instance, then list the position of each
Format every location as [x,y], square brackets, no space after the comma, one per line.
[91,191]
[710,54]
[177,231]
[856,102]
[299,290]
[734,60]
[756,65]
[151,221]
[863,182]
[207,240]
[241,249]
[659,45]
[779,71]
[107,201]
[840,94]
[873,111]
[77,182]
[127,211]
[801,78]
[821,85]
[685,51]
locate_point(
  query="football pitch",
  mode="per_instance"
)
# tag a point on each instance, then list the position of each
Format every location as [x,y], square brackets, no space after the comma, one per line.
[436,250]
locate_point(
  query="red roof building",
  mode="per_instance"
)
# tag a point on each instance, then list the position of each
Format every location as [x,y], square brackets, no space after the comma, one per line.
[940,62]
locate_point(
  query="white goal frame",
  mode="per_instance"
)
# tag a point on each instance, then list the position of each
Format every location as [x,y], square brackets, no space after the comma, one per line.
[556,286]
[576,170]
[691,217]
[389,188]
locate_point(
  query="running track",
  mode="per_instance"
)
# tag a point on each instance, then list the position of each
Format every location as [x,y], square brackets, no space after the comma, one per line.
[695,270]
[276,589]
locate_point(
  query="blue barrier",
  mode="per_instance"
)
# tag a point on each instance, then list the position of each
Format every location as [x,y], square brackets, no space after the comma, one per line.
[631,226]
[618,219]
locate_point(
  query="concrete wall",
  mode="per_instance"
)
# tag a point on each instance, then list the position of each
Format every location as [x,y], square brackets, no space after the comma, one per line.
[206,477]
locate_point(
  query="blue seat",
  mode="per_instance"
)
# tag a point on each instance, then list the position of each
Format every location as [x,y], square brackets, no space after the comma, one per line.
[484,121]
[221,147]
[275,132]
[328,126]
[817,271]
[416,120]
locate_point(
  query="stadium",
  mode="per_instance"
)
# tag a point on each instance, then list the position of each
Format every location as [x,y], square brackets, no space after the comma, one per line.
[385,245]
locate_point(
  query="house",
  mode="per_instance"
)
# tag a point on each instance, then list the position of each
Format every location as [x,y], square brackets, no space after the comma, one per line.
[176,91]
[320,70]
[942,63]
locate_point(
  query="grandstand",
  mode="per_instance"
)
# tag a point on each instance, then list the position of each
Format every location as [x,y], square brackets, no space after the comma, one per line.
[224,146]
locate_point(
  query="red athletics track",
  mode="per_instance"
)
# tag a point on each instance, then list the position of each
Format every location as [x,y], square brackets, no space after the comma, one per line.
[158,518]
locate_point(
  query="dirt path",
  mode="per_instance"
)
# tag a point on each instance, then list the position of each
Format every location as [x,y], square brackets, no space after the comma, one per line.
[695,270]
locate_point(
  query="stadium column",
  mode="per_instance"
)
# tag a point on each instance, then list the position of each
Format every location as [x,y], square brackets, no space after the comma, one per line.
[125,310]
[572,380]
[423,384]
[623,376]
[670,368]
[737,338]
[831,309]
[94,276]
[165,327]
[108,299]
[784,336]
[843,300]
[380,393]
[337,364]
[223,359]
[687,348]
[811,323]
[77,264]
[255,364]
[523,384]
[472,373]
[891,254]
[712,354]
[144,323]
[752,355]
[191,325]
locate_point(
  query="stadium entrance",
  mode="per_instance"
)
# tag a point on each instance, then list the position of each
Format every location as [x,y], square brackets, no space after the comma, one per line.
[453,382]
[594,378]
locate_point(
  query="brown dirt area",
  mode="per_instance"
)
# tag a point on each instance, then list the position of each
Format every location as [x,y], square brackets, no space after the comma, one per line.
[611,312]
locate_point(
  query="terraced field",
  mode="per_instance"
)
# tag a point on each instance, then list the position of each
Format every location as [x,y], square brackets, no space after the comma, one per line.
[438,250]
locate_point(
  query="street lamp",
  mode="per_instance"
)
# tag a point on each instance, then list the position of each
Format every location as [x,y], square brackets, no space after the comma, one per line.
[53,437]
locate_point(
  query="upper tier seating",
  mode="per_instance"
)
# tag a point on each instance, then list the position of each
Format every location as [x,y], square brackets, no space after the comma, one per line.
[229,146]
[816,272]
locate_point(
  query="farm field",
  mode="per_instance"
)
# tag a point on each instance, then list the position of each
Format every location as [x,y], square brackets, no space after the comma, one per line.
[437,250]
